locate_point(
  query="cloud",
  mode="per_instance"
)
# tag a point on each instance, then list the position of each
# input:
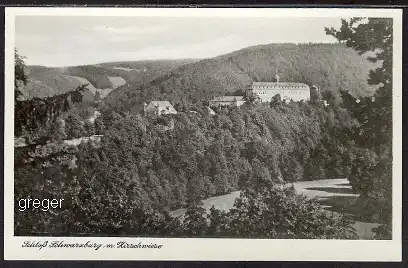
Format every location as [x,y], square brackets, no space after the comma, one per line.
[86,40]
[126,30]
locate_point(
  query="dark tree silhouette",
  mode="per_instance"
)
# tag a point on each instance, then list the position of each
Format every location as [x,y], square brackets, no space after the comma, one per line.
[373,36]
[20,76]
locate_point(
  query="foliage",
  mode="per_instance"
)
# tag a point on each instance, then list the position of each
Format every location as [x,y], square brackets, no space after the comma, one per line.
[49,171]
[74,127]
[89,128]
[373,36]
[194,220]
[127,183]
[31,115]
[99,126]
[331,67]
[278,212]
[316,97]
[96,75]
[276,100]
[47,81]
[140,166]
[57,131]
[273,212]
[20,76]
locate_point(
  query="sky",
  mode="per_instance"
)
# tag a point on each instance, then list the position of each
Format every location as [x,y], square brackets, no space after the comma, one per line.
[79,40]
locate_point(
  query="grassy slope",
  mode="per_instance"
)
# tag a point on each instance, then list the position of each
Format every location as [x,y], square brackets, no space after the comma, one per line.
[45,81]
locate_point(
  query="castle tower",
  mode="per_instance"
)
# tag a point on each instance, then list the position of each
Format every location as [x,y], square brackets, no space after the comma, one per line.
[277,76]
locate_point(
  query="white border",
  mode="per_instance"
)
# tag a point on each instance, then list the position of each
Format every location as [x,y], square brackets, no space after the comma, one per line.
[206,249]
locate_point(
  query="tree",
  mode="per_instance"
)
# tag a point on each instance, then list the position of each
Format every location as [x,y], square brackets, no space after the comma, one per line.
[315,96]
[34,114]
[330,96]
[89,128]
[278,212]
[261,176]
[57,130]
[20,76]
[99,126]
[362,171]
[74,126]
[199,187]
[291,170]
[251,98]
[126,182]
[219,222]
[276,101]
[195,222]
[109,117]
[374,36]
[221,182]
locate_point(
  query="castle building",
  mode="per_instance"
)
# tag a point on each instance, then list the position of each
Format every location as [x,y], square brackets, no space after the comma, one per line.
[227,101]
[287,90]
[159,108]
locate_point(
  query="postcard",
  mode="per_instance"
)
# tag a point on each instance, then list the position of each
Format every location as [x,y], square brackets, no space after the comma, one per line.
[262,134]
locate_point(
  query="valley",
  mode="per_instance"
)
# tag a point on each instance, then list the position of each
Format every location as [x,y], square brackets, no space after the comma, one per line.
[116,81]
[153,145]
[105,77]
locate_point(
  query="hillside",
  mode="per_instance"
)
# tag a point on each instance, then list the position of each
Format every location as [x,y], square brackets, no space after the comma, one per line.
[143,71]
[45,81]
[329,66]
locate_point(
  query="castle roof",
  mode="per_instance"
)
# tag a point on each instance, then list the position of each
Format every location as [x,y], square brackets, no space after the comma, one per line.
[280,85]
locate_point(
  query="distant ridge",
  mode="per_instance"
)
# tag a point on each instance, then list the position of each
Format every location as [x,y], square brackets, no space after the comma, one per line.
[48,81]
[331,67]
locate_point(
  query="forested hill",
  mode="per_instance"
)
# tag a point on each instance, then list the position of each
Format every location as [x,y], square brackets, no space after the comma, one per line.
[44,82]
[48,81]
[329,66]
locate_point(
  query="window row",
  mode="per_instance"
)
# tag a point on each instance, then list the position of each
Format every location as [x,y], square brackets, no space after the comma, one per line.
[281,92]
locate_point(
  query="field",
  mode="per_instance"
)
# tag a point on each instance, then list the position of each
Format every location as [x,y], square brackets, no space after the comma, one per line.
[335,195]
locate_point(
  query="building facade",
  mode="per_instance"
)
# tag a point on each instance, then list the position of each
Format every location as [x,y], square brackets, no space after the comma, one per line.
[159,108]
[288,91]
[227,101]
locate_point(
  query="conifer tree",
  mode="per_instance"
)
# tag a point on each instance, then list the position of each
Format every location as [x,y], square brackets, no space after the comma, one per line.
[373,36]
[74,127]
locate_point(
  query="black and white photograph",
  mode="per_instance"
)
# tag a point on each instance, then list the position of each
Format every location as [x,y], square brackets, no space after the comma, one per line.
[272,126]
